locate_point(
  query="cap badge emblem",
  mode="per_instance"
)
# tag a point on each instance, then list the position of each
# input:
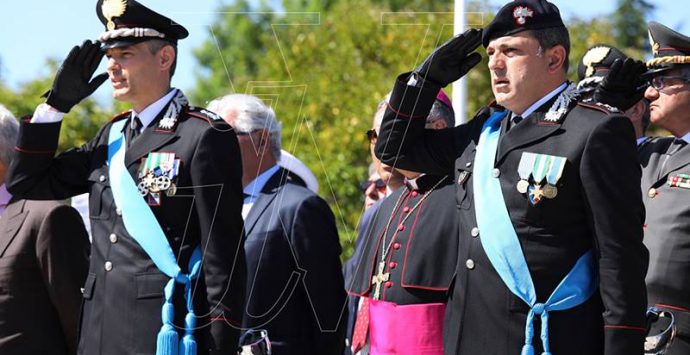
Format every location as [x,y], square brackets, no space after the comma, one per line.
[521,13]
[594,56]
[655,45]
[113,8]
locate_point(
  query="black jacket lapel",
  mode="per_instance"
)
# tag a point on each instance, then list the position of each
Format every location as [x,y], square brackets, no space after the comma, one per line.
[533,129]
[676,161]
[10,223]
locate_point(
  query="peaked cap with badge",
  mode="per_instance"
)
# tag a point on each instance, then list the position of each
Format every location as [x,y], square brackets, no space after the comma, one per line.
[595,64]
[522,15]
[665,163]
[670,48]
[128,22]
[535,197]
[143,170]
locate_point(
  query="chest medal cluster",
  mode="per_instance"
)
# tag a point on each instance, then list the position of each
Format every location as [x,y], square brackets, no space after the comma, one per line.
[539,176]
[680,180]
[157,174]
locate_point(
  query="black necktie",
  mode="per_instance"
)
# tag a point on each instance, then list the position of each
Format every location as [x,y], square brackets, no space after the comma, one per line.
[514,121]
[134,128]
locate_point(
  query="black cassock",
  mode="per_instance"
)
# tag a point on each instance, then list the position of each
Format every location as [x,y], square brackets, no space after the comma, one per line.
[422,250]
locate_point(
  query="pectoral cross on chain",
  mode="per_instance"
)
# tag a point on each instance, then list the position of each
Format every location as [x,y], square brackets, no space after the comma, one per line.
[379,278]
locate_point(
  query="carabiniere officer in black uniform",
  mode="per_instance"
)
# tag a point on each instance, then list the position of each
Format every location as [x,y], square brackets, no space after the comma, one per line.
[557,178]
[186,165]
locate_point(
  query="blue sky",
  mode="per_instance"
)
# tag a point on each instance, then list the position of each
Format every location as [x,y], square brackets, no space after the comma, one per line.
[33,30]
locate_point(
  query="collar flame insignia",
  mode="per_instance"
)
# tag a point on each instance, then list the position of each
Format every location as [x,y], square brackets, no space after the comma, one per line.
[655,46]
[521,13]
[113,8]
[594,56]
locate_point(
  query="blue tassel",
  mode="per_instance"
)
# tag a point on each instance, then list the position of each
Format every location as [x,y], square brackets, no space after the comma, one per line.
[188,345]
[167,342]
[527,349]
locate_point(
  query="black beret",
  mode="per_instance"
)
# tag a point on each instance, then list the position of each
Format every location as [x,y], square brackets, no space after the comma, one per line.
[595,64]
[128,22]
[522,15]
[670,48]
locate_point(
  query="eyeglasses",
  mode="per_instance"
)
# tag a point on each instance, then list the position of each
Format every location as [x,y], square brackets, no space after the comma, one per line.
[372,135]
[660,82]
[378,183]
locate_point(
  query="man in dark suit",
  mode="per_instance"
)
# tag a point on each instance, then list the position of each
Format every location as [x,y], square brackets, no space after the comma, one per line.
[408,257]
[294,286]
[540,184]
[165,195]
[43,264]
[666,182]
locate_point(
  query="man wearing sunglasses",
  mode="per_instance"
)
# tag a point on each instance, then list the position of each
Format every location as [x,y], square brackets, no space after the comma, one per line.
[666,181]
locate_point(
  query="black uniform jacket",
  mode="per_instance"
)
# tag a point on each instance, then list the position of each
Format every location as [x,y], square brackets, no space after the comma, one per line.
[295,284]
[422,253]
[598,207]
[43,264]
[123,293]
[667,233]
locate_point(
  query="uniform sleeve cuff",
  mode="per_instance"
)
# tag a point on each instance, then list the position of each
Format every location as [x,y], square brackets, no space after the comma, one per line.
[46,114]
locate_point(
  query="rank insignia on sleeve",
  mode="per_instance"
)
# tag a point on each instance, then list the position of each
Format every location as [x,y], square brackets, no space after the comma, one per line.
[539,176]
[157,174]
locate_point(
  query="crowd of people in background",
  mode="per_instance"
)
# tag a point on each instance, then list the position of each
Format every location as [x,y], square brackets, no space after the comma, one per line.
[549,223]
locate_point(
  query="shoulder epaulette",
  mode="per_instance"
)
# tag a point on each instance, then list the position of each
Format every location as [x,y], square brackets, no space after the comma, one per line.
[494,105]
[599,106]
[203,114]
[120,116]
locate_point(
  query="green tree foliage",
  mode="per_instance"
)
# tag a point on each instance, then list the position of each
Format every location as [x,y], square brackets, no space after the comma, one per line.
[78,126]
[324,74]
[630,24]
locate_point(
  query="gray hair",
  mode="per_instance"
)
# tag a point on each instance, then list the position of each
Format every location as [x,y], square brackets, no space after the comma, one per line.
[439,111]
[252,115]
[372,169]
[9,130]
[551,37]
[155,45]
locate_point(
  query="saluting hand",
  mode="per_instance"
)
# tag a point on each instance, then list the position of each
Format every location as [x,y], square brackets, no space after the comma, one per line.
[452,60]
[623,85]
[73,80]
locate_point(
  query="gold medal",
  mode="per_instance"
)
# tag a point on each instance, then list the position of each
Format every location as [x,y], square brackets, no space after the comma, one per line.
[522,186]
[549,191]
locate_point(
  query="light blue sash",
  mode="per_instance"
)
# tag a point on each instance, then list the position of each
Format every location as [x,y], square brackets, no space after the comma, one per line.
[501,244]
[142,225]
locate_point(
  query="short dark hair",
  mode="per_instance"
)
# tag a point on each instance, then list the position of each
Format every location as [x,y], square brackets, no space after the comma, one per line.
[439,111]
[551,37]
[646,119]
[156,45]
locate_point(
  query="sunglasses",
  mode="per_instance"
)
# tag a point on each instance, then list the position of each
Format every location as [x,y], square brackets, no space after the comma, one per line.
[378,183]
[660,82]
